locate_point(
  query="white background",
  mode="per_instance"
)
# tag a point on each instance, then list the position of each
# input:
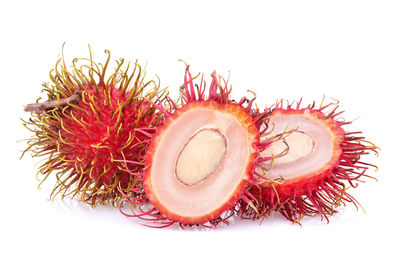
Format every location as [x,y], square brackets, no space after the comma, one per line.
[348,50]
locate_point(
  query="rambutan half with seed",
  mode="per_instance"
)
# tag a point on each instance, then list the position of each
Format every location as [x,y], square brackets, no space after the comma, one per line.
[310,164]
[91,123]
[201,159]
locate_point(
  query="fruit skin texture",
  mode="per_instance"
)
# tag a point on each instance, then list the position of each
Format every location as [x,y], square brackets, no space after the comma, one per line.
[193,96]
[321,191]
[86,142]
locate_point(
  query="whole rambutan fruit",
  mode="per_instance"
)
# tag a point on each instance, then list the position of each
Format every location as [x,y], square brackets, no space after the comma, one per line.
[200,160]
[90,125]
[310,163]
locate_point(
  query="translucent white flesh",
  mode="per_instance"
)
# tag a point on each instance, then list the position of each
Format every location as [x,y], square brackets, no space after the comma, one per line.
[312,162]
[201,156]
[217,188]
[293,147]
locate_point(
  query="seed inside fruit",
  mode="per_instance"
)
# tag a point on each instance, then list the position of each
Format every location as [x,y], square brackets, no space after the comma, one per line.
[201,156]
[294,147]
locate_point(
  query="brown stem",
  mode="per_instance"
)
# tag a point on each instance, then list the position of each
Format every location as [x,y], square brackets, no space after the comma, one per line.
[39,107]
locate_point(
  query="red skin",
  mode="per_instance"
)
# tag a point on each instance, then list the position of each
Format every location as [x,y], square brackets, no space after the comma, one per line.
[117,141]
[93,129]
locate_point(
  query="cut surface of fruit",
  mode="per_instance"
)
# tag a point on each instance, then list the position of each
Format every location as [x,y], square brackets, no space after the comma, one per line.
[312,145]
[309,162]
[199,161]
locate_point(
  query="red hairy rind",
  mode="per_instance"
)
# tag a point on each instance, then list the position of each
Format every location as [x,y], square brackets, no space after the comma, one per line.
[192,96]
[321,191]
[86,143]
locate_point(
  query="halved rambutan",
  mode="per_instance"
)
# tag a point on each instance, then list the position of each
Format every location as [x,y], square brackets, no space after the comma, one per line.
[310,159]
[201,159]
[90,124]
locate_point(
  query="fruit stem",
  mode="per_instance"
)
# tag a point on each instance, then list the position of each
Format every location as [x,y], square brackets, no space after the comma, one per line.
[39,107]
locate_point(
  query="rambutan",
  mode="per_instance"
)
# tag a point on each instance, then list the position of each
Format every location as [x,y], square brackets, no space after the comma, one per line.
[195,161]
[200,160]
[91,123]
[310,164]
